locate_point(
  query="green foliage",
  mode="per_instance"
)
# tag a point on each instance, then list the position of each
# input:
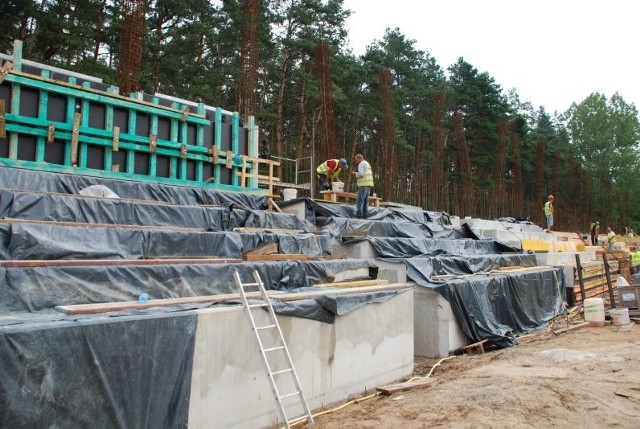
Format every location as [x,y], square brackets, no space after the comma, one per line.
[192,50]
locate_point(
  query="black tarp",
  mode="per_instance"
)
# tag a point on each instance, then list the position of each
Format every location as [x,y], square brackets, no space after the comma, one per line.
[42,181]
[494,307]
[318,212]
[401,247]
[98,372]
[37,288]
[38,206]
[112,211]
[26,241]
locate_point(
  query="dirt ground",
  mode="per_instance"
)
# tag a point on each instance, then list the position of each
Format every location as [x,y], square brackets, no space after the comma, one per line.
[582,378]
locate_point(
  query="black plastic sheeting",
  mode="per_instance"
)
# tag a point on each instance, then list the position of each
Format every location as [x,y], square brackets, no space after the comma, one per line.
[112,211]
[421,269]
[97,372]
[39,206]
[391,247]
[37,288]
[318,212]
[325,308]
[494,307]
[26,241]
[42,181]
[342,227]
[129,370]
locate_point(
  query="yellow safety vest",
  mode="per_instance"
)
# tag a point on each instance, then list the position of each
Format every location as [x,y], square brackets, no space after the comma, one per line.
[324,169]
[548,208]
[635,258]
[367,178]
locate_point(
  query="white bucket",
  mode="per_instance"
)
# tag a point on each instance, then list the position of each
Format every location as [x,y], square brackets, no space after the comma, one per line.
[337,186]
[289,194]
[594,311]
[619,316]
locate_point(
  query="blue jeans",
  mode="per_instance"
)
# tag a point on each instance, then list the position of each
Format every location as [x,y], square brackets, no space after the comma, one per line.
[362,202]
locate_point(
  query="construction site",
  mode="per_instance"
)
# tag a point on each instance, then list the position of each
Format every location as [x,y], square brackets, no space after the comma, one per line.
[162,268]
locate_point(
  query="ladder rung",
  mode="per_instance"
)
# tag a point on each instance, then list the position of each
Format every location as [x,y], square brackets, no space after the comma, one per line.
[257,305]
[296,420]
[266,302]
[296,393]
[272,349]
[260,328]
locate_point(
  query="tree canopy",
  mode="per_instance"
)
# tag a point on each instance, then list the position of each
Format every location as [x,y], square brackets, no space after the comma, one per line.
[436,135]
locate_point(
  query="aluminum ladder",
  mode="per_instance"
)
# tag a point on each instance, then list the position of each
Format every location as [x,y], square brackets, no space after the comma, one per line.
[274,352]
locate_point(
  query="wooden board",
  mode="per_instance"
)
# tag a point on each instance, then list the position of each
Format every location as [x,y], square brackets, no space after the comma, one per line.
[167,302]
[114,262]
[332,196]
[280,257]
[267,249]
[353,283]
[268,230]
[407,385]
[571,328]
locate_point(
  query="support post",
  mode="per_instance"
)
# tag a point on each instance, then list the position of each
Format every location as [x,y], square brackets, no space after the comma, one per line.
[583,295]
[607,271]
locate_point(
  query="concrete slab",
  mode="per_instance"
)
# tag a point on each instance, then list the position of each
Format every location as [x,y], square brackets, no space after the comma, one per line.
[564,258]
[436,330]
[295,207]
[394,272]
[363,349]
[483,224]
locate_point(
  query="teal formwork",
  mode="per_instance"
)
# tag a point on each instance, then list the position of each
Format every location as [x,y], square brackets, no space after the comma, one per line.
[65,123]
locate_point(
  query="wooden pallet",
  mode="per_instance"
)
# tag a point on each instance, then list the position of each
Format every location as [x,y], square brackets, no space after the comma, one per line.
[332,196]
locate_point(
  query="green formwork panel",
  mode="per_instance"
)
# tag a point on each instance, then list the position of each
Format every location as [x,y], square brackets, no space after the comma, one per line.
[87,128]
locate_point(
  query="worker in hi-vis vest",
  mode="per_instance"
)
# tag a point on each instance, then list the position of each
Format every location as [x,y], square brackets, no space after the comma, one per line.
[611,237]
[548,213]
[634,259]
[364,176]
[329,171]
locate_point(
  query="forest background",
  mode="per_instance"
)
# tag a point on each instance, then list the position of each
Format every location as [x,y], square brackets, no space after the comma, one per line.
[445,139]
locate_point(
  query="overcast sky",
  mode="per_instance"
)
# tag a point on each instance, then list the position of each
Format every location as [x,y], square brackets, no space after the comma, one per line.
[552,52]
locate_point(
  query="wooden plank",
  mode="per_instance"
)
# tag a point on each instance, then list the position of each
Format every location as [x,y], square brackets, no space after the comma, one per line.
[273,204]
[51,131]
[128,305]
[407,385]
[6,67]
[101,225]
[268,230]
[477,348]
[3,126]
[353,283]
[74,138]
[267,249]
[114,262]
[571,328]
[281,257]
[331,196]
[115,142]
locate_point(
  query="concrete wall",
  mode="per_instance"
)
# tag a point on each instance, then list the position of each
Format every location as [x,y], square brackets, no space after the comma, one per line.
[436,330]
[368,347]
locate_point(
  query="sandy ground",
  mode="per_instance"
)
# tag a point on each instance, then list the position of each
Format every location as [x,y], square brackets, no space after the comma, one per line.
[583,378]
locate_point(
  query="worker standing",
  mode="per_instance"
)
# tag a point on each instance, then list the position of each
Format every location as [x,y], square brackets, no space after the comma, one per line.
[595,228]
[611,236]
[548,212]
[634,259]
[364,177]
[329,171]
